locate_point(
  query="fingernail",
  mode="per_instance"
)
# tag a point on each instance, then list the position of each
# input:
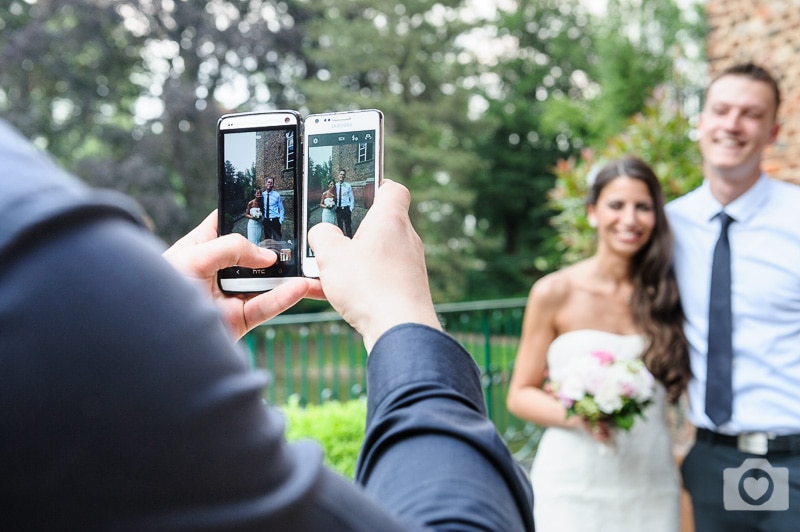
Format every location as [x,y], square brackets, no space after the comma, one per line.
[268,253]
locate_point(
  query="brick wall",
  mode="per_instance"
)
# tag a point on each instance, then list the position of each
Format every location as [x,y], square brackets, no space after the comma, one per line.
[766,32]
[360,175]
[271,163]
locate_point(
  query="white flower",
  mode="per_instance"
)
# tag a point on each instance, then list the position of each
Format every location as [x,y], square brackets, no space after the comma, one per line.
[571,388]
[608,398]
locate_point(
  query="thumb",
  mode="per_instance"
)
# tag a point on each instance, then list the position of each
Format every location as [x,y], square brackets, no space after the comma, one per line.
[229,250]
[324,237]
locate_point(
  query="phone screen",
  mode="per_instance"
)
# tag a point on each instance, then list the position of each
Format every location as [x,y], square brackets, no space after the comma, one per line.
[343,170]
[258,193]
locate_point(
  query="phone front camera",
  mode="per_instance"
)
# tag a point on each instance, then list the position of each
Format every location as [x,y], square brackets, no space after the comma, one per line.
[316,120]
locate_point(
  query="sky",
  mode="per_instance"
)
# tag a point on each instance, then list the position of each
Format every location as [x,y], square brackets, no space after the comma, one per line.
[240,149]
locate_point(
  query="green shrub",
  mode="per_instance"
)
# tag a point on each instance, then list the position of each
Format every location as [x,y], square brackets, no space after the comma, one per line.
[337,426]
[660,135]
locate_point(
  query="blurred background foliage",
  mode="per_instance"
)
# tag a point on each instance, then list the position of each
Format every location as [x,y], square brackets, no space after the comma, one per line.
[494,114]
[660,134]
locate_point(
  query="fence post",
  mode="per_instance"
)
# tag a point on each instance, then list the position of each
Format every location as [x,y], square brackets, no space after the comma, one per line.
[487,363]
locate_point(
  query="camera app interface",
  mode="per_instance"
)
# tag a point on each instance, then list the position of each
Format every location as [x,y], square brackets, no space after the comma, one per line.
[259,195]
[341,179]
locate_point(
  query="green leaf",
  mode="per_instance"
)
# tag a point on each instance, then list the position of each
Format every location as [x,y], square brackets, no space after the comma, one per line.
[624,421]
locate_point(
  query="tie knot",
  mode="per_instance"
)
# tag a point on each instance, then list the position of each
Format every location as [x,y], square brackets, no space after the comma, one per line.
[725,220]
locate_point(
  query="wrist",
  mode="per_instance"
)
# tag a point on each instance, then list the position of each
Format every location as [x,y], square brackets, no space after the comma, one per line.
[375,330]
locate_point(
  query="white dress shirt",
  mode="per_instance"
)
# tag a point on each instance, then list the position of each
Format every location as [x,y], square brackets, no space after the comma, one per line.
[345,192]
[765,269]
[273,205]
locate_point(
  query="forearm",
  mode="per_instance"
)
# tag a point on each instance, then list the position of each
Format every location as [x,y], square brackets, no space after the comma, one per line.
[538,407]
[427,420]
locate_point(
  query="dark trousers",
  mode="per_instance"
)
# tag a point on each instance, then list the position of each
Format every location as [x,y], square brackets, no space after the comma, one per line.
[272,228]
[344,220]
[733,491]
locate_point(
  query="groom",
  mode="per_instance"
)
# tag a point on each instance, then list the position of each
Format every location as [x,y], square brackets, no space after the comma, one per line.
[743,471]
[345,201]
[272,206]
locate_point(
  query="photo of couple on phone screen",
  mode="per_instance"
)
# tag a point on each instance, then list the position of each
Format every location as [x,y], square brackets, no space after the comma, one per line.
[341,181]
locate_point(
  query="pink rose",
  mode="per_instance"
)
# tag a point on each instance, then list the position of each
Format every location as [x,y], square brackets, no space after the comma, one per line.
[604,357]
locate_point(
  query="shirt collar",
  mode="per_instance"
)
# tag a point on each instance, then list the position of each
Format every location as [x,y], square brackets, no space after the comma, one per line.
[742,208]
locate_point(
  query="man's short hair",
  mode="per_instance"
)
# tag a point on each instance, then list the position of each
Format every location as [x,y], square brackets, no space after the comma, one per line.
[754,72]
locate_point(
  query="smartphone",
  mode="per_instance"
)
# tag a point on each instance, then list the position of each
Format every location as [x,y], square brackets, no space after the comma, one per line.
[258,171]
[342,170]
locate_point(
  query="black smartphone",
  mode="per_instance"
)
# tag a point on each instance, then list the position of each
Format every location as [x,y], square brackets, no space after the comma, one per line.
[259,168]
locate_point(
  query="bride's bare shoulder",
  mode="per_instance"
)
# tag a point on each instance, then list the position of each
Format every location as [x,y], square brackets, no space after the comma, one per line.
[555,288]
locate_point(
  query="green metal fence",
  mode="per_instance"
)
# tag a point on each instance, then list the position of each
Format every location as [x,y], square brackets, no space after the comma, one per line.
[319,357]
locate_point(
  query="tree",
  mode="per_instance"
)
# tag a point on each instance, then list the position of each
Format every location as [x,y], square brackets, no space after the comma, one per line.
[127,94]
[639,42]
[548,55]
[404,58]
[569,79]
[60,67]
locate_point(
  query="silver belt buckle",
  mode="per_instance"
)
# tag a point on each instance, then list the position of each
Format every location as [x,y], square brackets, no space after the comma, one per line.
[753,442]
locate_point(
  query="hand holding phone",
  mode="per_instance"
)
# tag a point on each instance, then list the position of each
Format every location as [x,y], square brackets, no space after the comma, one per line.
[259,165]
[378,280]
[343,168]
[200,254]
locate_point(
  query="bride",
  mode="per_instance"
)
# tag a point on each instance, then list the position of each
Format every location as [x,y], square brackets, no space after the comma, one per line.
[254,218]
[328,203]
[623,300]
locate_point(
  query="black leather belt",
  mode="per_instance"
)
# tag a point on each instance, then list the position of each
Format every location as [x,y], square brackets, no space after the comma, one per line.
[753,442]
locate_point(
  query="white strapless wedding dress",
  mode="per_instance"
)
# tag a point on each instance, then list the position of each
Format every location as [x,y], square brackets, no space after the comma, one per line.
[254,228]
[583,485]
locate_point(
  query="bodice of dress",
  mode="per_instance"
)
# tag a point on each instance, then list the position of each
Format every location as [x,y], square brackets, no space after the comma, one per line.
[568,348]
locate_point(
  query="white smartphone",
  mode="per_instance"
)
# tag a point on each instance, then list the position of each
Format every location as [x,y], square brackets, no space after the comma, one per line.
[342,170]
[258,170]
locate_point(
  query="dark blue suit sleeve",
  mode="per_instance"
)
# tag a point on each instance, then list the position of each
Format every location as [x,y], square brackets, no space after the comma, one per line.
[430,452]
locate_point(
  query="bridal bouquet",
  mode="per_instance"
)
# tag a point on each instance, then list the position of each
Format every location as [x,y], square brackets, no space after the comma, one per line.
[329,203]
[255,212]
[601,387]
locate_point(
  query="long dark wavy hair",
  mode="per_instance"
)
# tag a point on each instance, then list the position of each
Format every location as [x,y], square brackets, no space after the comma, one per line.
[655,302]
